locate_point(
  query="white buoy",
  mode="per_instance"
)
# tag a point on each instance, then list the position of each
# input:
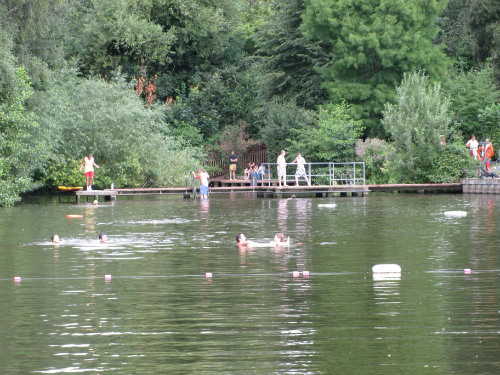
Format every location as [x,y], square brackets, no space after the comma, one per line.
[295,273]
[467,270]
[305,273]
[107,277]
[386,268]
[455,213]
[17,279]
[208,275]
[327,205]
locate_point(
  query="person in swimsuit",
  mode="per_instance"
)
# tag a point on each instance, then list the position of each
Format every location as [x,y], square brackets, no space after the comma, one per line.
[89,163]
[203,177]
[301,170]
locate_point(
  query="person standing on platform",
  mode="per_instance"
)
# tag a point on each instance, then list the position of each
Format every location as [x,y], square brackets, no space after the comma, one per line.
[301,170]
[89,163]
[473,144]
[232,166]
[203,177]
[281,168]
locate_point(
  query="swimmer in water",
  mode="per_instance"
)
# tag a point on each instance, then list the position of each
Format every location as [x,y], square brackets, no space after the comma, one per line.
[103,237]
[55,238]
[241,240]
[279,240]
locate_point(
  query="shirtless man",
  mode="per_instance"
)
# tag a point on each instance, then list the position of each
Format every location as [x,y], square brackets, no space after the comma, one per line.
[203,177]
[241,240]
[473,144]
[301,170]
[89,163]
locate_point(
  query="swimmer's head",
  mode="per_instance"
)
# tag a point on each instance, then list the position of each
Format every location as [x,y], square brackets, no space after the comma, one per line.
[55,238]
[240,237]
[103,237]
[95,202]
[280,237]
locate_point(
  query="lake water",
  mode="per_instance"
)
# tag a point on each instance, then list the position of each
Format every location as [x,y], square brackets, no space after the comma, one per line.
[160,314]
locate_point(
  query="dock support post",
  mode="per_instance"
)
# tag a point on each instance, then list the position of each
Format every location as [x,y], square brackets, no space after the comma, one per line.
[343,194]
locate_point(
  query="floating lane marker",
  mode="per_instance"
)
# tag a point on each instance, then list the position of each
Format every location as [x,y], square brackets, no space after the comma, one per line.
[295,273]
[467,270]
[455,213]
[17,279]
[74,216]
[305,273]
[327,205]
[386,268]
[208,275]
[107,277]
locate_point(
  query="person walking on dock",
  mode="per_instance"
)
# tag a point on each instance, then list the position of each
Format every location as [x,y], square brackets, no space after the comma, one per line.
[301,170]
[473,145]
[281,168]
[232,166]
[89,163]
[203,177]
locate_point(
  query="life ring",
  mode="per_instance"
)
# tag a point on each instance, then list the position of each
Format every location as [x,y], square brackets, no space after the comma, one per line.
[74,216]
[480,153]
[489,151]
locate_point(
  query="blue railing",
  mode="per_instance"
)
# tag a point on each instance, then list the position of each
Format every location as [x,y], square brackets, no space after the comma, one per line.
[350,173]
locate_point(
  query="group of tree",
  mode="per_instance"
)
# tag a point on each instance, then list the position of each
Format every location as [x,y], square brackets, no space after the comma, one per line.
[152,87]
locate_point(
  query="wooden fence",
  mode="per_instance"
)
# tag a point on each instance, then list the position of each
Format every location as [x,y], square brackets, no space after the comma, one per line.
[256,154]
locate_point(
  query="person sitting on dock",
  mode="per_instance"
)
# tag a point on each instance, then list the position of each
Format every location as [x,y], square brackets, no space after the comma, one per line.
[203,177]
[301,171]
[248,171]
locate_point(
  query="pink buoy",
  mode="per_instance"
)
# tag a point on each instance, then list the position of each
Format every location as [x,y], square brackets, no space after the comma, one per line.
[17,279]
[305,273]
[300,244]
[295,273]
[107,277]
[467,270]
[208,275]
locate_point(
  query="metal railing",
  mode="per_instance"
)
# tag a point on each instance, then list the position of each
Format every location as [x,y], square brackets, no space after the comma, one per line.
[350,173]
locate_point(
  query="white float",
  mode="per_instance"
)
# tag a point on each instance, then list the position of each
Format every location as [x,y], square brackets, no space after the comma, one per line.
[386,268]
[455,213]
[327,205]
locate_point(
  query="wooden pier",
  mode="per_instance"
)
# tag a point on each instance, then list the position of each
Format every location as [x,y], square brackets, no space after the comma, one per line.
[270,189]
[109,195]
[259,191]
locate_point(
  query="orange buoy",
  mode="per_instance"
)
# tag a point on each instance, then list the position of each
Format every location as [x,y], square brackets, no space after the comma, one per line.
[74,216]
[489,151]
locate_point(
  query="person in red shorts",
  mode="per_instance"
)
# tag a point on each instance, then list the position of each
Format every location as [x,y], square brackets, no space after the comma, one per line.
[89,163]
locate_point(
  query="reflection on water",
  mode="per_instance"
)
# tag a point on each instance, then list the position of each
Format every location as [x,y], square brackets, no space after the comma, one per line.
[157,313]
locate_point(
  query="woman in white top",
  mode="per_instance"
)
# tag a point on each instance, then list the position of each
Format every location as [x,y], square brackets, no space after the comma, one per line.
[89,163]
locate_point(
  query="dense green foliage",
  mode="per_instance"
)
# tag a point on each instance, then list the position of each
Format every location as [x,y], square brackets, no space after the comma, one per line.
[153,86]
[374,42]
[417,124]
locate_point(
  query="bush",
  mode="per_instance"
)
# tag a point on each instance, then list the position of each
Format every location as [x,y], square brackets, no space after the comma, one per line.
[375,153]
